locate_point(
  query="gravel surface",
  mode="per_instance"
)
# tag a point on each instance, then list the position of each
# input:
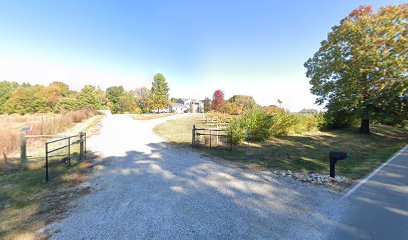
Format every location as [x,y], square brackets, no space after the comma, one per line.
[150,190]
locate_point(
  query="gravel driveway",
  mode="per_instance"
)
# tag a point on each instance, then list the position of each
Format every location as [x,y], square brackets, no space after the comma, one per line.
[150,190]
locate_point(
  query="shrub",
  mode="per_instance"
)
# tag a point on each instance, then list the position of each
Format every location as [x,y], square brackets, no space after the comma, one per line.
[265,125]
[257,120]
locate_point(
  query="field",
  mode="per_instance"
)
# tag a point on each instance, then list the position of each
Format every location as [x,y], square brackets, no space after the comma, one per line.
[306,152]
[10,126]
[150,116]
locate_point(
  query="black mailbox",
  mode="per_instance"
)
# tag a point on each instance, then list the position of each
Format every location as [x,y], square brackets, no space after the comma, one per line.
[334,156]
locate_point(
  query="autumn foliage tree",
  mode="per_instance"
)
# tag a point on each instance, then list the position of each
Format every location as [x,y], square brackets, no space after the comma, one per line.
[218,103]
[361,69]
[159,93]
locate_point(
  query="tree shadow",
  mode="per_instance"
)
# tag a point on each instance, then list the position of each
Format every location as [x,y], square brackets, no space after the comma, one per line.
[166,192]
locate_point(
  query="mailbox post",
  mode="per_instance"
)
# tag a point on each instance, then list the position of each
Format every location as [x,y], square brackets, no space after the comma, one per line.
[249,132]
[334,156]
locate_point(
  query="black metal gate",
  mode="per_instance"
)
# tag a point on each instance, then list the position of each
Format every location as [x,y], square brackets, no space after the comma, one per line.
[64,153]
[212,138]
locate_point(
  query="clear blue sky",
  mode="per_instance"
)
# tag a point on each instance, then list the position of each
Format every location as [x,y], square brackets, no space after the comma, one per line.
[243,47]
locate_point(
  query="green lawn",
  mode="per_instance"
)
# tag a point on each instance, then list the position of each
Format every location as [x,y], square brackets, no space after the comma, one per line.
[150,116]
[308,152]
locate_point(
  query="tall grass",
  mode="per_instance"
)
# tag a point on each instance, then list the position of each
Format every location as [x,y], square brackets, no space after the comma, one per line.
[46,124]
[264,125]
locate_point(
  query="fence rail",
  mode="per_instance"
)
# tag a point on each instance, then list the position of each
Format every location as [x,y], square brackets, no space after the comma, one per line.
[75,152]
[211,138]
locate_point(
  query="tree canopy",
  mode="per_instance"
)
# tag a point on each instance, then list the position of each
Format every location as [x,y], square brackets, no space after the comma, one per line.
[6,89]
[361,69]
[159,94]
[218,103]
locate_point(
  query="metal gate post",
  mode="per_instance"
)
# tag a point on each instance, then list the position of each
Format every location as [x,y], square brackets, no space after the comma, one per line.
[46,162]
[23,149]
[332,167]
[193,136]
[210,137]
[81,146]
[69,151]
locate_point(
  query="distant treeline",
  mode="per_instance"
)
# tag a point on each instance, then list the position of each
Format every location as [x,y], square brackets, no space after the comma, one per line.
[57,97]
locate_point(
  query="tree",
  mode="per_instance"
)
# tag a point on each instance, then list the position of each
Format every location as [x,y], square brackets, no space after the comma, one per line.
[159,94]
[114,94]
[54,92]
[127,103]
[218,103]
[91,97]
[207,104]
[67,104]
[27,100]
[142,99]
[361,69]
[238,103]
[6,89]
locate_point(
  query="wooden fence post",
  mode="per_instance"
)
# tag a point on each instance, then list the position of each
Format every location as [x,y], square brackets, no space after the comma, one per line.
[23,149]
[193,137]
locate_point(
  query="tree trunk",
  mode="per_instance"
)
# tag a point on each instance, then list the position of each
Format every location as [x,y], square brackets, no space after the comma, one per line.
[365,126]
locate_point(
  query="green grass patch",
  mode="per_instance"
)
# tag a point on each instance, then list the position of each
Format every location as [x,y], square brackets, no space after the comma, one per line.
[150,116]
[179,131]
[28,203]
[303,152]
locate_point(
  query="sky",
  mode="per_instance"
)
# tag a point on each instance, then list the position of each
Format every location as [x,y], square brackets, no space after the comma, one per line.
[251,47]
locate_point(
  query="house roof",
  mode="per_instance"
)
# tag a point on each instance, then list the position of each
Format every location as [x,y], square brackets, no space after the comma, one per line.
[177,105]
[310,110]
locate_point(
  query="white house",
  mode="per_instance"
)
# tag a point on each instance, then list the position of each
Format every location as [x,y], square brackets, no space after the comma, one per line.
[178,108]
[192,105]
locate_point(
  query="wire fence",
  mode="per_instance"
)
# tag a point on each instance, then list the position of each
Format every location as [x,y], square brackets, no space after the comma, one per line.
[212,138]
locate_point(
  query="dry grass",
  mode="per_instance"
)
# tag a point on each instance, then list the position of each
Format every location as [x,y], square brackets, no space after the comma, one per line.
[10,126]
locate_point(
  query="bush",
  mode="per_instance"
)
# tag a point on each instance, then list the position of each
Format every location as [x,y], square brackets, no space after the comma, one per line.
[265,125]
[257,120]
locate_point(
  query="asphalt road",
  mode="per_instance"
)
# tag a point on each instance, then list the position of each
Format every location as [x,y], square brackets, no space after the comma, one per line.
[378,208]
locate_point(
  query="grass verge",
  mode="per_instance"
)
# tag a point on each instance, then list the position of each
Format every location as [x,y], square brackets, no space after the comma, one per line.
[150,116]
[306,152]
[28,203]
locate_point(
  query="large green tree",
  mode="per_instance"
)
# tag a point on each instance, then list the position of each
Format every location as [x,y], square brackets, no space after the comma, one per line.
[6,89]
[159,94]
[361,69]
[54,93]
[114,95]
[27,99]
[143,99]
[91,97]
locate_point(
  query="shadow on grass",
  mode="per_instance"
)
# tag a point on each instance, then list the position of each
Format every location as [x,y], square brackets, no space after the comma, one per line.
[309,152]
[28,203]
